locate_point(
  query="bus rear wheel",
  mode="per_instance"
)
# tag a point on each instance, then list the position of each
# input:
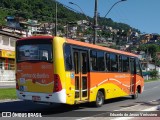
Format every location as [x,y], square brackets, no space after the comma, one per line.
[135,96]
[99,99]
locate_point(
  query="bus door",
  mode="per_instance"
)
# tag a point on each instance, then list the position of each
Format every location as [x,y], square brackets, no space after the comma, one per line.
[80,59]
[133,75]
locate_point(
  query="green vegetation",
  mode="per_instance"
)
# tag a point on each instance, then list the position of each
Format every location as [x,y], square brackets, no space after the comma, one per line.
[153,74]
[2,17]
[7,93]
[151,49]
[151,80]
[44,11]
[121,26]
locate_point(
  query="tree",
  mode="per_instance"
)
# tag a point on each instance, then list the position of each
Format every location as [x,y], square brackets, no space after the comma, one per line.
[44,10]
[150,48]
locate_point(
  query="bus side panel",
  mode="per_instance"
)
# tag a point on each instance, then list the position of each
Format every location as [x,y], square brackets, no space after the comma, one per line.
[67,78]
[59,67]
[114,84]
[70,88]
[139,82]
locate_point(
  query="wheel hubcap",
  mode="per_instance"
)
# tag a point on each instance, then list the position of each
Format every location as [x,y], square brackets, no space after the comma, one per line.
[99,99]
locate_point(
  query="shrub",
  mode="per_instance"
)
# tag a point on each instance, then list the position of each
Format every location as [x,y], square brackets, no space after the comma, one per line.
[153,74]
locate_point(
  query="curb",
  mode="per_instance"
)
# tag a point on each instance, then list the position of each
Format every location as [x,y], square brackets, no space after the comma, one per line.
[9,100]
[9,81]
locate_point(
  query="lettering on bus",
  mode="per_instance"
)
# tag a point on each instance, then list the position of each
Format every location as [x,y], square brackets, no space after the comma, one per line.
[20,67]
[122,76]
[46,66]
[35,75]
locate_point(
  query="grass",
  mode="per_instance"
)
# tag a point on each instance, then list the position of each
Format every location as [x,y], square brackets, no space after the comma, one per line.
[150,80]
[7,93]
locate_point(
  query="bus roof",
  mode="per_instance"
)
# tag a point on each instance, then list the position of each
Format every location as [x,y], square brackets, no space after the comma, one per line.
[99,47]
[38,37]
[84,45]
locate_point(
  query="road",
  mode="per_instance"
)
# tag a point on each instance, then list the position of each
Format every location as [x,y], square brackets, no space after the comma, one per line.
[151,92]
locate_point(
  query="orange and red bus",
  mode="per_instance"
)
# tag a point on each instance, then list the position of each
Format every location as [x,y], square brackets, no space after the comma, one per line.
[60,70]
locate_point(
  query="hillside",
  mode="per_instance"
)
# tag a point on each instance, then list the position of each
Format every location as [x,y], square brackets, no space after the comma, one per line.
[44,10]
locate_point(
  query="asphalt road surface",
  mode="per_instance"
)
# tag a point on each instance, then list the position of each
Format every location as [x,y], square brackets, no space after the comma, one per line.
[81,111]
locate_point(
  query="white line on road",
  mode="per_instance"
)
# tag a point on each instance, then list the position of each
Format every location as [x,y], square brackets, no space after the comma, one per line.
[104,113]
[150,109]
[128,118]
[153,88]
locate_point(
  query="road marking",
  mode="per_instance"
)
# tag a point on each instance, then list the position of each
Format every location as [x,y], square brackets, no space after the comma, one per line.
[153,88]
[124,118]
[127,118]
[121,118]
[127,107]
[104,113]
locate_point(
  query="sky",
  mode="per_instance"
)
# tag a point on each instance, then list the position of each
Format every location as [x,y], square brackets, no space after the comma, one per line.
[140,14]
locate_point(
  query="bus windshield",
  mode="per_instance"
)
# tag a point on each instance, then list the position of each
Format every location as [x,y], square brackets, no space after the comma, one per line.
[34,52]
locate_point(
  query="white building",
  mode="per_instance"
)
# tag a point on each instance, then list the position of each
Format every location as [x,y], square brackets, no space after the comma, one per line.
[7,56]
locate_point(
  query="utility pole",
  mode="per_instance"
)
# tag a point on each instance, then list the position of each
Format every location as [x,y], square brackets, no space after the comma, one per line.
[147,64]
[95,22]
[55,18]
[95,17]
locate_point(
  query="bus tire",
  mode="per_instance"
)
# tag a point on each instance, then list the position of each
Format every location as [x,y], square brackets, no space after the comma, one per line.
[135,96]
[99,99]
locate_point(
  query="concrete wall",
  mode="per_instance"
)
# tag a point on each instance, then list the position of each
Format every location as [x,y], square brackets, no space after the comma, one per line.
[7,75]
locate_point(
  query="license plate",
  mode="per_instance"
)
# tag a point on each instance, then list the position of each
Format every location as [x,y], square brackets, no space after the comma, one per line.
[36,98]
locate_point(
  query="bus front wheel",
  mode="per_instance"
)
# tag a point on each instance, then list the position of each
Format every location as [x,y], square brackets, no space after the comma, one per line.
[135,95]
[99,99]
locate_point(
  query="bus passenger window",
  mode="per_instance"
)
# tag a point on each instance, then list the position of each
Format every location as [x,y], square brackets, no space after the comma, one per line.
[114,63]
[120,63]
[84,63]
[132,66]
[108,65]
[93,60]
[125,62]
[100,61]
[97,61]
[138,68]
[76,62]
[67,57]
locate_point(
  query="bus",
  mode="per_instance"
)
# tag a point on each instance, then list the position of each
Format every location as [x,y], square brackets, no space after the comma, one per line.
[51,69]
